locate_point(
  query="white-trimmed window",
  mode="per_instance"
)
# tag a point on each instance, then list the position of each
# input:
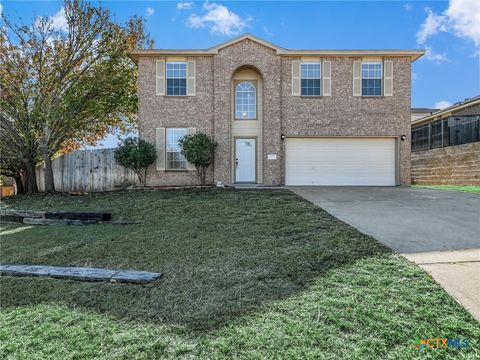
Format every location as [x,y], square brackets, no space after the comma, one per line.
[175,159]
[176,78]
[372,76]
[245,101]
[310,75]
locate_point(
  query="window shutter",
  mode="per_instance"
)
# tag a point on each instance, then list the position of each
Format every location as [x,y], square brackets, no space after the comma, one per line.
[191,131]
[191,78]
[388,78]
[327,78]
[160,145]
[357,78]
[160,77]
[296,78]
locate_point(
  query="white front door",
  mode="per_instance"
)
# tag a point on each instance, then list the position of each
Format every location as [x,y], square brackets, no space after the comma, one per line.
[245,152]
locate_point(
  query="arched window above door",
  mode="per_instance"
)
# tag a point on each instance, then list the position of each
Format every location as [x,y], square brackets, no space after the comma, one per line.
[245,101]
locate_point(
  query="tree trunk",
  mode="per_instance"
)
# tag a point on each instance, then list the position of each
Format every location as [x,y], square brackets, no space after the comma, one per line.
[48,173]
[23,176]
[202,175]
[139,176]
[199,175]
[19,183]
[32,187]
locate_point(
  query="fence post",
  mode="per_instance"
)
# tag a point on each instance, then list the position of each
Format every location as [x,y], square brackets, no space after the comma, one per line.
[478,127]
[441,120]
[429,135]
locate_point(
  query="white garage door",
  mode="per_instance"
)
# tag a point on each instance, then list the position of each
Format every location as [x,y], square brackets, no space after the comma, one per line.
[340,161]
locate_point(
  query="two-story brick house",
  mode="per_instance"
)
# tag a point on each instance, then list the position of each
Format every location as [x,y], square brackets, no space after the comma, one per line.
[280,117]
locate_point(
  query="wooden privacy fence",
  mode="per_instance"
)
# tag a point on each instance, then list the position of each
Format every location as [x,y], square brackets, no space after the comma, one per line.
[88,171]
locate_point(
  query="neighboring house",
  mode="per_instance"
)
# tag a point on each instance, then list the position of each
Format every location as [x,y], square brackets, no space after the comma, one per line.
[280,117]
[418,113]
[446,145]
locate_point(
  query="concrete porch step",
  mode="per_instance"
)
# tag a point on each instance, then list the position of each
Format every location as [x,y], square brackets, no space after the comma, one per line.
[257,187]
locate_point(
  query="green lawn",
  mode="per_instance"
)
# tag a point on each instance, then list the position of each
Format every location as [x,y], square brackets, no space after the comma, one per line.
[461,188]
[248,274]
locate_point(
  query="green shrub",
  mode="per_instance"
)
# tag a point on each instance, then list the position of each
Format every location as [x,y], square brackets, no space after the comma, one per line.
[136,155]
[199,150]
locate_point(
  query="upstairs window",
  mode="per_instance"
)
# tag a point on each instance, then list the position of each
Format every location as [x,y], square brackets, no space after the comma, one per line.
[310,75]
[177,78]
[372,78]
[175,159]
[245,101]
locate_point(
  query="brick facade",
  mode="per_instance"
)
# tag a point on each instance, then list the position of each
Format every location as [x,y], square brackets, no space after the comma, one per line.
[209,111]
[343,114]
[182,111]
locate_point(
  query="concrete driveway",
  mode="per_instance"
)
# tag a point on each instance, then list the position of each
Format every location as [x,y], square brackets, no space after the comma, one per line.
[438,230]
[408,220]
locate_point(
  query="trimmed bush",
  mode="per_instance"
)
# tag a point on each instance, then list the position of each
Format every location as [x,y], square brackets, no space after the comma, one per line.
[199,150]
[136,155]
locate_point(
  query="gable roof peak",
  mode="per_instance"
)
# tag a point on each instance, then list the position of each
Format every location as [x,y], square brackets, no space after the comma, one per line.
[244,37]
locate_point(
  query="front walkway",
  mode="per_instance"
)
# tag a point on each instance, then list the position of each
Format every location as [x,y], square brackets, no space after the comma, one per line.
[438,230]
[457,271]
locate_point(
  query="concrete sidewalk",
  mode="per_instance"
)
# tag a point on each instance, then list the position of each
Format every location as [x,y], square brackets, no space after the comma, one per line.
[457,271]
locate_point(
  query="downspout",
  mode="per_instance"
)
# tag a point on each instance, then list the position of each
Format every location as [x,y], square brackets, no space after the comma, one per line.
[282,141]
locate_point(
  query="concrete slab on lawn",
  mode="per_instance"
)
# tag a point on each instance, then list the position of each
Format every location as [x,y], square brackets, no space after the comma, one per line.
[406,219]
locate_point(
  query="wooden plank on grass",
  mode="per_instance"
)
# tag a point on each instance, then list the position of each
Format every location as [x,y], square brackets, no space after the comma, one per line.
[81,273]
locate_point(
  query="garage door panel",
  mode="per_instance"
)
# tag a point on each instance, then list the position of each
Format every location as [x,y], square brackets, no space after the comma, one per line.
[340,161]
